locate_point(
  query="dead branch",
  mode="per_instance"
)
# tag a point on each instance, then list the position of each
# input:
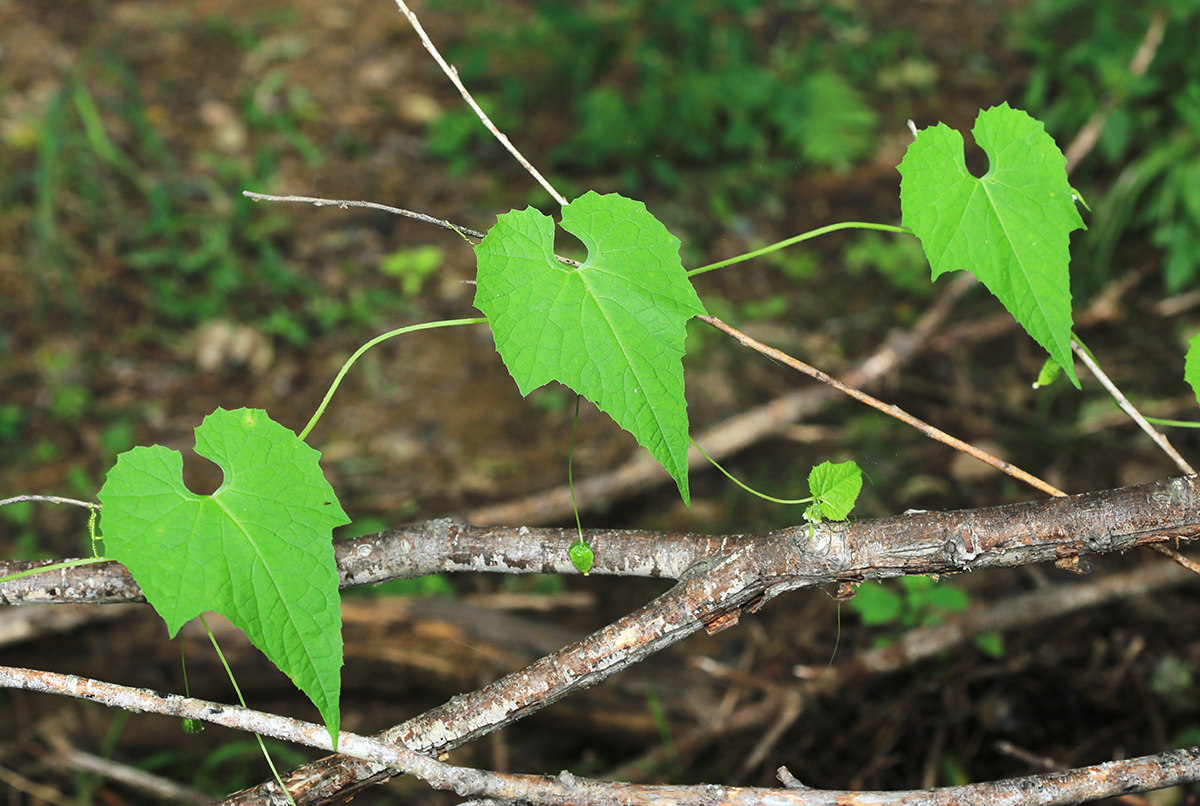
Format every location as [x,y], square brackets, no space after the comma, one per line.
[1086,783]
[750,571]
[909,544]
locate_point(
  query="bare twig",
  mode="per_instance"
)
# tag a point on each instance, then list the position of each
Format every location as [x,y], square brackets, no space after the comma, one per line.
[428,219]
[411,551]
[143,781]
[887,408]
[20,783]
[1176,557]
[48,499]
[345,203]
[1115,777]
[452,74]
[1159,439]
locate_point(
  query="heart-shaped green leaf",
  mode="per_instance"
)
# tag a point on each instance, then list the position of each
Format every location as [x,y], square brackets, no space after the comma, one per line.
[611,329]
[835,489]
[258,551]
[1011,227]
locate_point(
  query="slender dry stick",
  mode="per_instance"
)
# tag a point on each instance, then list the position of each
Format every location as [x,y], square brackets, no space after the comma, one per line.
[1141,774]
[428,219]
[1159,438]
[345,203]
[48,499]
[886,408]
[1127,407]
[452,74]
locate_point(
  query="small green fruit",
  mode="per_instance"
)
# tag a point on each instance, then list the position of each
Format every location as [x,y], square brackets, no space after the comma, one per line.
[581,557]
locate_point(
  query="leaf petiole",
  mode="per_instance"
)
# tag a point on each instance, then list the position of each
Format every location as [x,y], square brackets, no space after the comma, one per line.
[1173,423]
[766,250]
[750,490]
[580,552]
[242,700]
[479,320]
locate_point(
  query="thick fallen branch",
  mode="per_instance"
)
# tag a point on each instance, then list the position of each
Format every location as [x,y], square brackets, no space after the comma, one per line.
[1073,786]
[721,577]
[749,571]
[918,543]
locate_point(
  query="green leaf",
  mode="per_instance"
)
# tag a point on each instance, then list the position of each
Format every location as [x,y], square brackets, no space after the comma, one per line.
[1011,228]
[835,488]
[1048,374]
[1191,366]
[612,329]
[259,550]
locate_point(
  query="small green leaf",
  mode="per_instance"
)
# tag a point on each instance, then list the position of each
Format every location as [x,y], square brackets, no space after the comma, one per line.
[1050,372]
[1191,366]
[1011,228]
[190,725]
[611,329]
[259,550]
[581,557]
[1077,196]
[835,488]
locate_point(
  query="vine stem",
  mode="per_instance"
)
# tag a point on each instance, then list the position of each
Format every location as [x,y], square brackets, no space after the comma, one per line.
[886,408]
[238,691]
[41,569]
[452,74]
[766,250]
[1159,438]
[480,320]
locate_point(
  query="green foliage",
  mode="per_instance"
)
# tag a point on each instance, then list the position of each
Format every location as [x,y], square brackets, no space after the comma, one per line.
[1010,228]
[656,85]
[412,267]
[1191,366]
[1146,162]
[834,488]
[900,260]
[916,602]
[102,176]
[425,587]
[919,600]
[258,551]
[612,329]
